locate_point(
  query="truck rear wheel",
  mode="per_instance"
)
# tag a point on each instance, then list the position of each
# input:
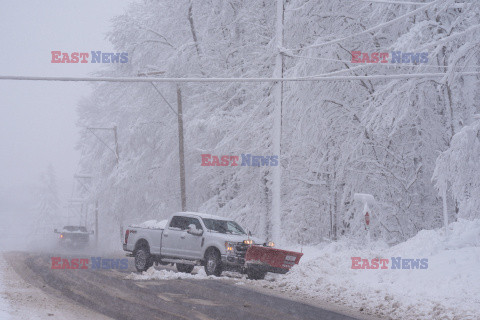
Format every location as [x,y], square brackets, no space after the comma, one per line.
[213,263]
[143,260]
[185,267]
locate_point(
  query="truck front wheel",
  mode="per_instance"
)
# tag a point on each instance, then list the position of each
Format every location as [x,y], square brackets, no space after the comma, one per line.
[213,263]
[143,260]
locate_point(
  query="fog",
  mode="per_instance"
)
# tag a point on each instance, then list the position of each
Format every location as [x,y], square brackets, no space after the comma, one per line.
[37,119]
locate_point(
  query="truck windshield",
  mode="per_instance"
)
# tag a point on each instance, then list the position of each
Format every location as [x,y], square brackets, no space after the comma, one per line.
[75,228]
[223,226]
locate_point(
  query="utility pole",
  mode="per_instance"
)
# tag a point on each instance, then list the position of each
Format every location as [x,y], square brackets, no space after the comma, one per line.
[445,209]
[80,178]
[181,153]
[96,223]
[117,157]
[277,126]
[116,142]
[82,211]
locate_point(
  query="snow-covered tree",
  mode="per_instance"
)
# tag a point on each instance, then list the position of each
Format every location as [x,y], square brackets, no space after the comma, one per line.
[380,137]
[459,168]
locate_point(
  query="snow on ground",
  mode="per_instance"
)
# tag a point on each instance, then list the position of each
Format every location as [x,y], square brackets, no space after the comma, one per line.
[448,289]
[4,305]
[166,274]
[20,300]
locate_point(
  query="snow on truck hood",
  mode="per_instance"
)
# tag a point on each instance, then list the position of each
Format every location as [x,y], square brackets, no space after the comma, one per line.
[236,237]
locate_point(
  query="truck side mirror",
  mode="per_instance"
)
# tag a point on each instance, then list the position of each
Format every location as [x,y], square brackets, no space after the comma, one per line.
[249,233]
[192,229]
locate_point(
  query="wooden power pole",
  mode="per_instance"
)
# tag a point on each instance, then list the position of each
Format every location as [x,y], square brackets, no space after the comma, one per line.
[96,223]
[116,143]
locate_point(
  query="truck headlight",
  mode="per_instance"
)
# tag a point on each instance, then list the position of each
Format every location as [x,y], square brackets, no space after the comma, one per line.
[270,244]
[229,246]
[248,242]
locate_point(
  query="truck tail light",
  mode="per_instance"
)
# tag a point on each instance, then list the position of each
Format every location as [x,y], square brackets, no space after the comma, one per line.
[126,235]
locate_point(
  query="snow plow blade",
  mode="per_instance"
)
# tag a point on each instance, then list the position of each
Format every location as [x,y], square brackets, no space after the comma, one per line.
[270,259]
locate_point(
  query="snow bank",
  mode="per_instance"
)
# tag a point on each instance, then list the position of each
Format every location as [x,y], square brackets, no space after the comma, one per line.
[197,274]
[448,289]
[152,224]
[20,300]
[153,274]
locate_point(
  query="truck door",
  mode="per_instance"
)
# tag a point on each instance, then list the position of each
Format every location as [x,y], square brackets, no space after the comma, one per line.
[173,237]
[193,243]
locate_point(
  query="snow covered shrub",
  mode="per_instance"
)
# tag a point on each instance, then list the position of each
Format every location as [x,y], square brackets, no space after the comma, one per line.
[459,166]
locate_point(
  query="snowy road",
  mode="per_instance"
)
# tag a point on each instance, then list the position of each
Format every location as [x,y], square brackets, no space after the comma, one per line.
[109,293]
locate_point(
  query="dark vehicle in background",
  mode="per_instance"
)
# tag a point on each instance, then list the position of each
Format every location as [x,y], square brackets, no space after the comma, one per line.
[74,236]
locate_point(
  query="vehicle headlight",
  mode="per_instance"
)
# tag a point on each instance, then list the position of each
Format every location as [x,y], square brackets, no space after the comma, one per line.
[229,246]
[270,244]
[248,242]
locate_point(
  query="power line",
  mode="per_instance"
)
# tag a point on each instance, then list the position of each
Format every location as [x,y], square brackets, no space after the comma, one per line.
[406,65]
[164,99]
[260,79]
[396,2]
[451,37]
[380,26]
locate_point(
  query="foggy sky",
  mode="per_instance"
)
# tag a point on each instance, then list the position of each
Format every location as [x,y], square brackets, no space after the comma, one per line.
[37,119]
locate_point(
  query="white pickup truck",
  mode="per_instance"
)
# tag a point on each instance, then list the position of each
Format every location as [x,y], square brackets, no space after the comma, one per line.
[190,238]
